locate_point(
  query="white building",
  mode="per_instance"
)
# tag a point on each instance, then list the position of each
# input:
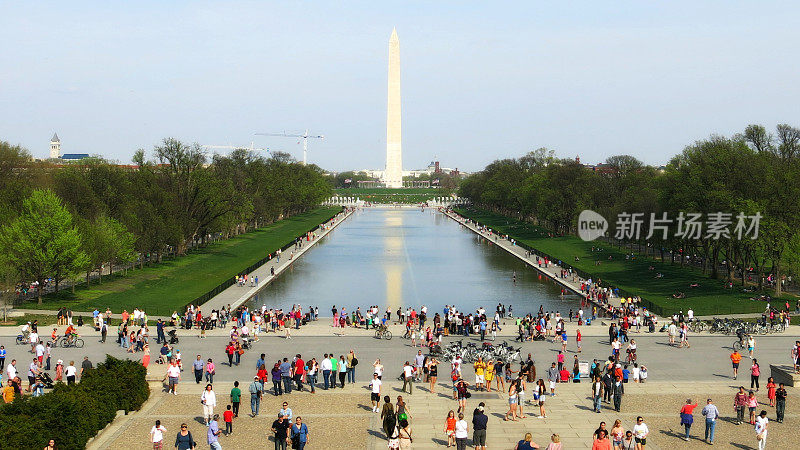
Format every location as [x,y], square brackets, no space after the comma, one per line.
[55,147]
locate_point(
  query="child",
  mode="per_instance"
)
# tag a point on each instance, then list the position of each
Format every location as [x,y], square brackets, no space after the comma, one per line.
[771,391]
[228,417]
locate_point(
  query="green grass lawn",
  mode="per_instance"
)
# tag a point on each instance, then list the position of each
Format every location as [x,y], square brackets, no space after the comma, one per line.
[632,275]
[162,288]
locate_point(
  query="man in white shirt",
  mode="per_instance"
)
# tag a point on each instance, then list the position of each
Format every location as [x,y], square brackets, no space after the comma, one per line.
[11,370]
[762,426]
[40,353]
[690,314]
[408,378]
[375,395]
[33,339]
[326,365]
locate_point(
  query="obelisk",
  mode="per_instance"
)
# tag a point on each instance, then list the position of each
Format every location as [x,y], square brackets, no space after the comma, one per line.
[393,175]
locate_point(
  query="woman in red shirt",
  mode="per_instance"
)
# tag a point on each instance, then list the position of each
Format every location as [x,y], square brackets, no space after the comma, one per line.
[687,418]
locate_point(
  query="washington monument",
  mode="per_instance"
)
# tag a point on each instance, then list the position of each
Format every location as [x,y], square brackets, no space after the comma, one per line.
[393,175]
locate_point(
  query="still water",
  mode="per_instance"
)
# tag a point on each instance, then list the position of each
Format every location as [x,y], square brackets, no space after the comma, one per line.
[406,257]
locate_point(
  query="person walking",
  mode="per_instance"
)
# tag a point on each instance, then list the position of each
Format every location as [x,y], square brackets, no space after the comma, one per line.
[210,370]
[602,442]
[755,373]
[461,394]
[375,394]
[461,432]
[157,435]
[173,374]
[184,439]
[597,393]
[711,414]
[388,417]
[512,403]
[408,378]
[555,443]
[739,404]
[751,345]
[640,432]
[236,398]
[214,432]
[761,429]
[752,404]
[617,434]
[552,377]
[736,358]
[619,390]
[687,417]
[780,402]
[256,390]
[433,373]
[299,434]
[450,428]
[209,400]
[479,422]
[280,431]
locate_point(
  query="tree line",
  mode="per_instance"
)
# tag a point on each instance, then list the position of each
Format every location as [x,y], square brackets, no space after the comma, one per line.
[752,173]
[59,221]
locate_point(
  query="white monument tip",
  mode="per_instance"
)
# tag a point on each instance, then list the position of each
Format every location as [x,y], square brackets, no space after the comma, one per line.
[394,35]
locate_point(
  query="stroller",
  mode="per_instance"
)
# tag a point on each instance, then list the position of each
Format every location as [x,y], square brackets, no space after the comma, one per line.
[173,338]
[46,380]
[246,344]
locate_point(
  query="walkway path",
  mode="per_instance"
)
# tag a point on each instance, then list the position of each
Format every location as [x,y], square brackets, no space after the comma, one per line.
[553,270]
[237,295]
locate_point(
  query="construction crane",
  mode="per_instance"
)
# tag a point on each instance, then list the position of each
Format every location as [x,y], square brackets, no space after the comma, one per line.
[305,137]
[252,147]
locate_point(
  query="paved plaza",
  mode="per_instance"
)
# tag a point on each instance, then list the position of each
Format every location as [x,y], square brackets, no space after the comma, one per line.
[336,415]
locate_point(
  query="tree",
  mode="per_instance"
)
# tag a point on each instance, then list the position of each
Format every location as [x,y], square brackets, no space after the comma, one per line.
[42,241]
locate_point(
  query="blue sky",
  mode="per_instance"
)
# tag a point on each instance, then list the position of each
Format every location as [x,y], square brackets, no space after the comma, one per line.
[481,80]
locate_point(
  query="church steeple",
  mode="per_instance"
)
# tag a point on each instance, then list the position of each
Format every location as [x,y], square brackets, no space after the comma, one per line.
[55,147]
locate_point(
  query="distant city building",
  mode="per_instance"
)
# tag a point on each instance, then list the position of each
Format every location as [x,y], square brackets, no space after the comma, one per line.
[74,156]
[55,151]
[55,147]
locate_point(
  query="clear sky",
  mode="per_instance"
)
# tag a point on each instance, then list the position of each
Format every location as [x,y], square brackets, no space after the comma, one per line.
[481,80]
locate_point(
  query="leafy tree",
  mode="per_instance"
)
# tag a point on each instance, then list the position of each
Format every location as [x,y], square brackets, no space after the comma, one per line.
[42,241]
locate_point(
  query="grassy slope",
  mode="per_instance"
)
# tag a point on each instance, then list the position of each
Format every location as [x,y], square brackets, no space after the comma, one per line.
[161,288]
[632,276]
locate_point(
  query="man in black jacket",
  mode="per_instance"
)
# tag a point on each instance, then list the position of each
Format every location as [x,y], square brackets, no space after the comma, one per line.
[479,421]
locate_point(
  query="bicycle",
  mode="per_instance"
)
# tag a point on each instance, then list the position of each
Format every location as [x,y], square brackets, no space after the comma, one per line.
[383,333]
[66,342]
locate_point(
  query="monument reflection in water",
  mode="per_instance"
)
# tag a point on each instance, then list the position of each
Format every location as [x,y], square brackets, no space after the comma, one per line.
[405,257]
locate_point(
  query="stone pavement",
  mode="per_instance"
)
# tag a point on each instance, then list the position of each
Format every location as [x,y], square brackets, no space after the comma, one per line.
[236,295]
[343,416]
